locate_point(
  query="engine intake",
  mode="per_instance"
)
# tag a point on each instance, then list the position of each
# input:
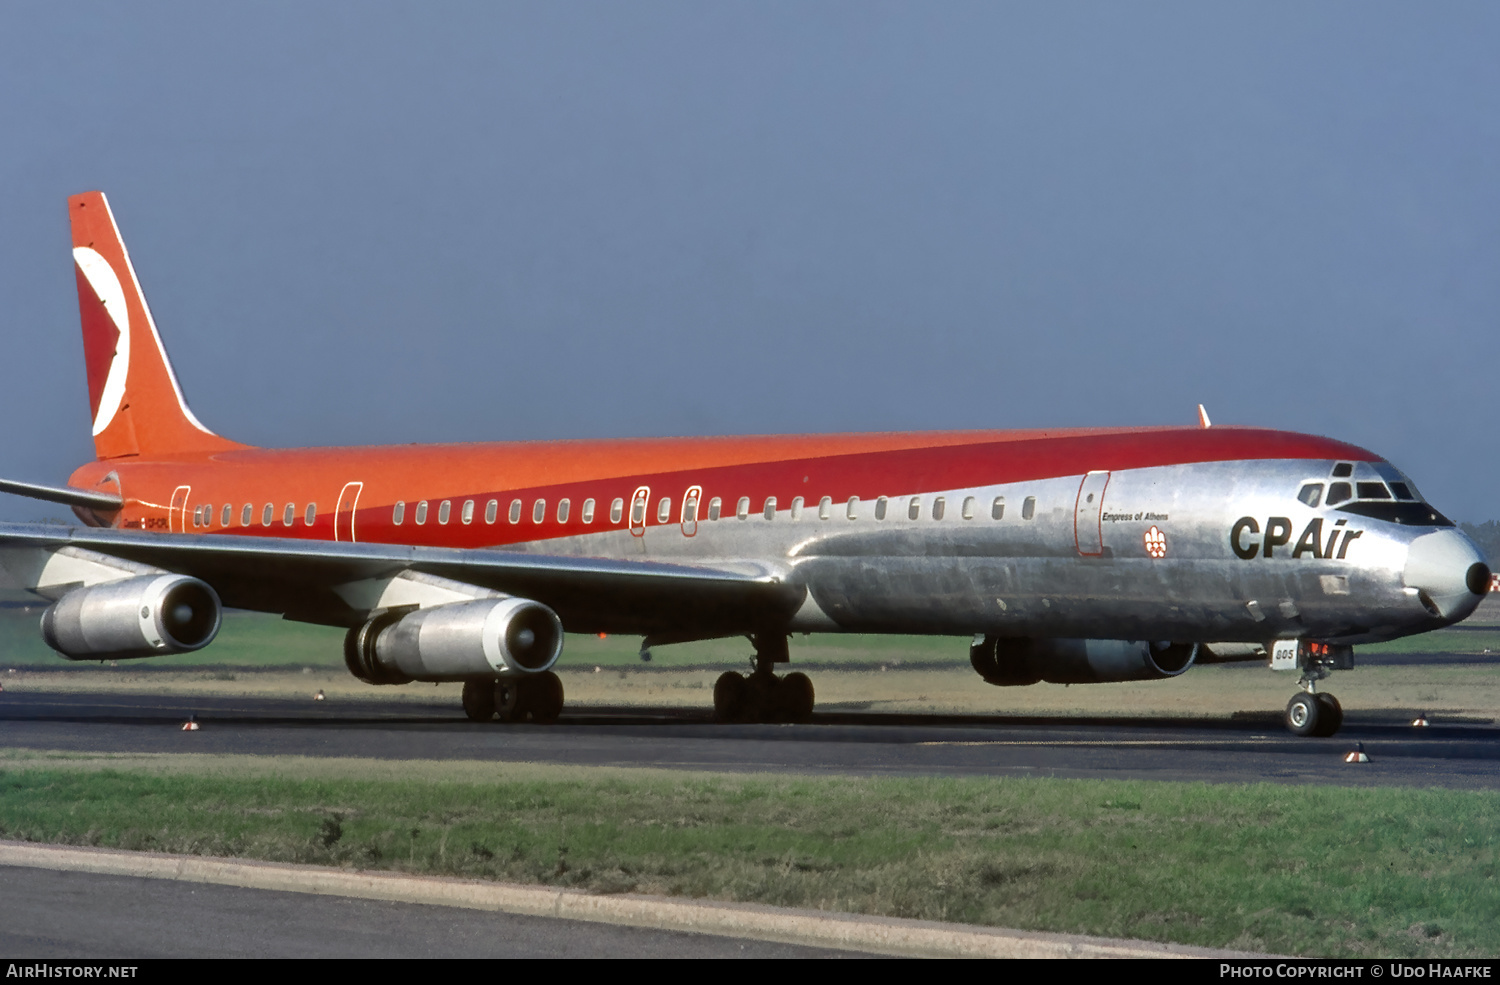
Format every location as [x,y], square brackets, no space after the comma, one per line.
[506,637]
[136,617]
[1012,662]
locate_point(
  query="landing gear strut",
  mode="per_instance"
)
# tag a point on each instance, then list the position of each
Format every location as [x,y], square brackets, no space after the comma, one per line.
[535,697]
[764,697]
[1314,712]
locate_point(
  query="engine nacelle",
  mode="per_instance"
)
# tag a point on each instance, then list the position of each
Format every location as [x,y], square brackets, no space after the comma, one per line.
[1012,662]
[504,637]
[137,617]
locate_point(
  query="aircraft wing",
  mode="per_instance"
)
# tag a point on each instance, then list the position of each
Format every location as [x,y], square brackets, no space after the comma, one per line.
[316,581]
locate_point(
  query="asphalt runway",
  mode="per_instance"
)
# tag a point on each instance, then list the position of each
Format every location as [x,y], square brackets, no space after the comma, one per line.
[47,914]
[1242,750]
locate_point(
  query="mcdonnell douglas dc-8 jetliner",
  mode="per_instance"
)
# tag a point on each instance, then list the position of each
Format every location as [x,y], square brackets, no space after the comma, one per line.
[1070,556]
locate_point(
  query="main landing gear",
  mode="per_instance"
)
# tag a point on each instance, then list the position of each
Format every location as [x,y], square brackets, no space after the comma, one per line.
[535,697]
[764,697]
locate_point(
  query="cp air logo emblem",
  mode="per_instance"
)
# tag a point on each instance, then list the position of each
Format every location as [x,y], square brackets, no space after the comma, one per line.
[1245,537]
[1156,542]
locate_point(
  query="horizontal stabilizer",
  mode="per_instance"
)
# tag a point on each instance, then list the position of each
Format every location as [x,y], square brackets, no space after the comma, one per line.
[66,495]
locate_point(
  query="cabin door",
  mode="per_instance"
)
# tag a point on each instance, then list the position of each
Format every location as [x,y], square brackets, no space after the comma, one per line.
[638,504]
[690,510]
[1088,534]
[177,512]
[343,514]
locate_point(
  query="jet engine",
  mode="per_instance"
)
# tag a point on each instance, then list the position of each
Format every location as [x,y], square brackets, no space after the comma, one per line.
[504,637]
[136,617]
[1010,662]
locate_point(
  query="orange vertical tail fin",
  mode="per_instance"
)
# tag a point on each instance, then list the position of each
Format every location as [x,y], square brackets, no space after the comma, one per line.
[136,405]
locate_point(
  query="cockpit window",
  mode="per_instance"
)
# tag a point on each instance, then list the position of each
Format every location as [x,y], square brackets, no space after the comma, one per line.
[1343,470]
[1311,494]
[1372,490]
[1407,514]
[1338,492]
[1402,490]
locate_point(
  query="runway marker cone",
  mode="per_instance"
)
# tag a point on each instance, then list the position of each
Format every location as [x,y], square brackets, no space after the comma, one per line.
[1358,755]
[1420,721]
[319,695]
[191,725]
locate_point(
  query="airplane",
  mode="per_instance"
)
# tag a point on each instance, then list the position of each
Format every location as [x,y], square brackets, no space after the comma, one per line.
[1068,556]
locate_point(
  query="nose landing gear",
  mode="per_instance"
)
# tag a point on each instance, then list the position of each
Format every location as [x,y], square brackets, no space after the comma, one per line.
[1312,712]
[764,697]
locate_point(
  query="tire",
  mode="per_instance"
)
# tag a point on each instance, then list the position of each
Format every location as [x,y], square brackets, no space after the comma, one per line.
[729,697]
[1330,715]
[762,699]
[542,695]
[1303,714]
[797,698]
[508,701]
[479,700]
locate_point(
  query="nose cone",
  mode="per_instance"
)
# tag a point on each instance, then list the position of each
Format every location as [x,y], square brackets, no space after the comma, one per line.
[1448,573]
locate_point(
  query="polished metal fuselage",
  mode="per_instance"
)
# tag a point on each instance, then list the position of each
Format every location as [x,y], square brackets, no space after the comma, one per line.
[1150,557]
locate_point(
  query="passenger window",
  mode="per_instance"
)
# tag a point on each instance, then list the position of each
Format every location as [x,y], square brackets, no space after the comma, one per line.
[1343,470]
[880,507]
[939,507]
[421,512]
[1028,507]
[491,511]
[289,514]
[715,507]
[588,511]
[1311,493]
[1338,492]
[914,508]
[968,512]
[539,511]
[467,514]
[770,511]
[1372,490]
[825,507]
[563,508]
[616,510]
[637,512]
[742,508]
[664,509]
[796,507]
[853,511]
[310,514]
[398,513]
[445,509]
[197,516]
[246,514]
[997,508]
[267,514]
[515,511]
[228,514]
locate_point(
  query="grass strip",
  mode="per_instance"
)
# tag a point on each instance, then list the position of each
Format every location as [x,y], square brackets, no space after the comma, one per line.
[1301,870]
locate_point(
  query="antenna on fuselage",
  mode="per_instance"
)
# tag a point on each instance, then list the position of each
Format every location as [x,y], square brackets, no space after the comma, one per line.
[1203,421]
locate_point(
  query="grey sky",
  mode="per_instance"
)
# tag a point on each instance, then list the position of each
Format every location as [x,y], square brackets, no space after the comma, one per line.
[368,223]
